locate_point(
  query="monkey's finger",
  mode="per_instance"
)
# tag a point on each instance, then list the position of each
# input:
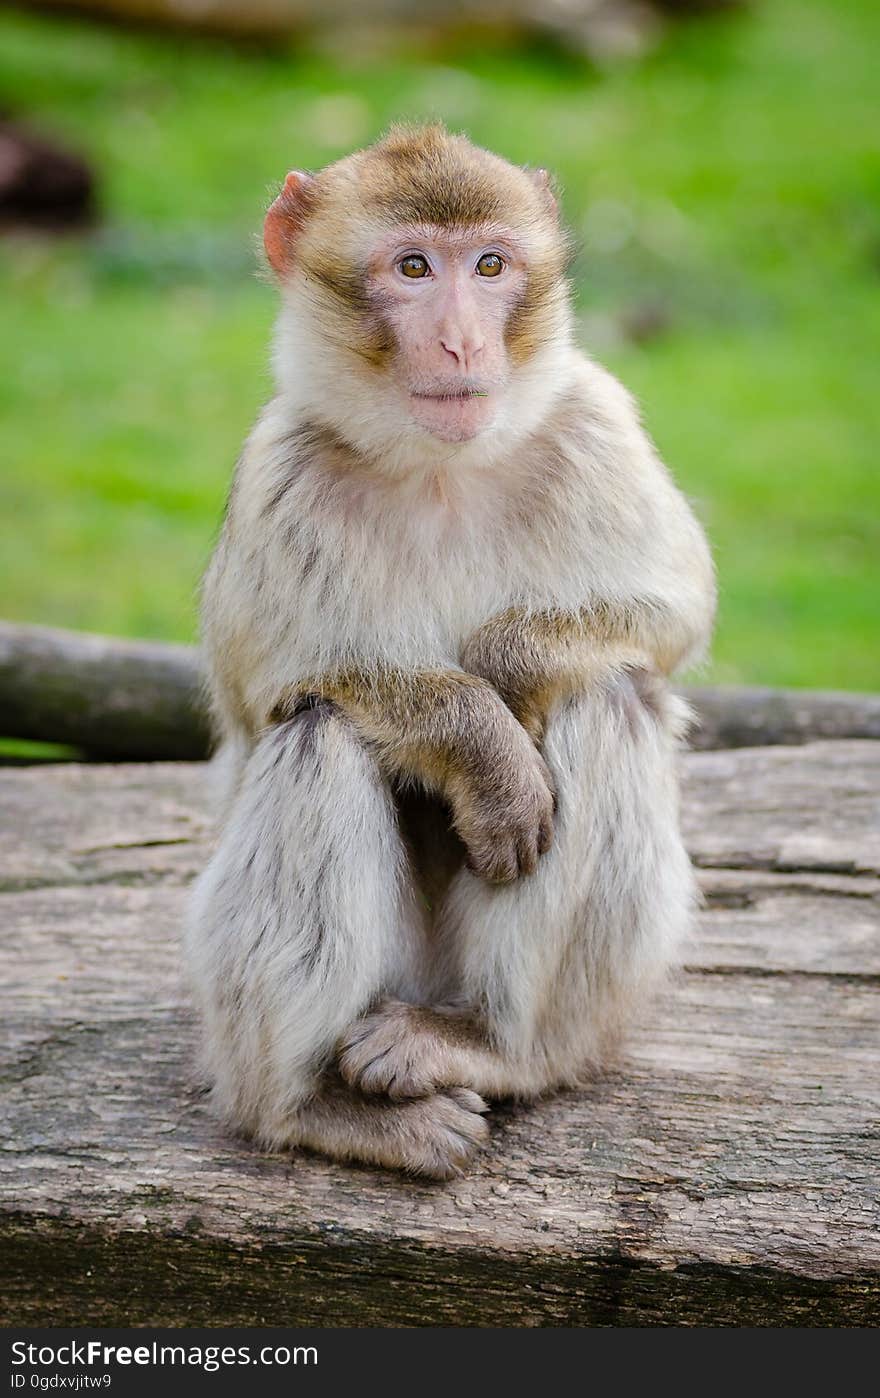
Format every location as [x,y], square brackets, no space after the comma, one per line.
[545,835]
[465,1097]
[550,783]
[504,868]
[528,854]
[495,864]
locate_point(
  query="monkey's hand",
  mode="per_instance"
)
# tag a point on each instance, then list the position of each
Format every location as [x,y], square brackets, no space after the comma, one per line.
[503,809]
[537,660]
[531,660]
[453,732]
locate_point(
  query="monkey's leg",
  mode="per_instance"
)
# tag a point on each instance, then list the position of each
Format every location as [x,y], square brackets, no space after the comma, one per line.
[545,971]
[305,915]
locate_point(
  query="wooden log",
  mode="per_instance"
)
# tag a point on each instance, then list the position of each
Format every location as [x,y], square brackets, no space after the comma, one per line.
[723,1173]
[600,26]
[739,717]
[137,700]
[143,701]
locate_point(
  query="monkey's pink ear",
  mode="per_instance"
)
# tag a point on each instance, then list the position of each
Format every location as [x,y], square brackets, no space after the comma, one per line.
[286,219]
[543,182]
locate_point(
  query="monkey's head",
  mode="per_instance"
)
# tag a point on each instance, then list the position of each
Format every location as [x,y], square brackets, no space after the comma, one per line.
[424,288]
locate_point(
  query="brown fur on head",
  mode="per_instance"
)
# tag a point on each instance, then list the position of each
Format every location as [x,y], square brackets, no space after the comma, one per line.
[321,229]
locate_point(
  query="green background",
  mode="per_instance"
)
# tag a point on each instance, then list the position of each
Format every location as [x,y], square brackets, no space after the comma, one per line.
[725,191]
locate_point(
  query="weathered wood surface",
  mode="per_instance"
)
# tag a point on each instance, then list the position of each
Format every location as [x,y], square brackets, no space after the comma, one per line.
[142,700]
[726,1171]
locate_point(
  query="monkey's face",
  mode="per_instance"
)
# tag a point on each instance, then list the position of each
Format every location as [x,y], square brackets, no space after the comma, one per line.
[445,299]
[425,276]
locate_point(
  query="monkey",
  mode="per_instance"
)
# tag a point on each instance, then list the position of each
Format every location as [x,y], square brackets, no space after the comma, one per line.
[440,621]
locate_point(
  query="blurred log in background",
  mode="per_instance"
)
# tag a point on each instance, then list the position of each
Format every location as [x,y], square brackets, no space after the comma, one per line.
[144,701]
[598,28]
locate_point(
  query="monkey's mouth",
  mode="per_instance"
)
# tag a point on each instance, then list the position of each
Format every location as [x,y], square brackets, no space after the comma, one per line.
[454,413]
[459,396]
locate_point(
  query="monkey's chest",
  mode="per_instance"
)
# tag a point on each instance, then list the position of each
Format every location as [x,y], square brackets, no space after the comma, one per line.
[411,590]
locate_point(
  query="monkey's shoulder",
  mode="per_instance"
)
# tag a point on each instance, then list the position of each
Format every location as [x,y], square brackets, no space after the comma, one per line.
[596,415]
[272,473]
[592,454]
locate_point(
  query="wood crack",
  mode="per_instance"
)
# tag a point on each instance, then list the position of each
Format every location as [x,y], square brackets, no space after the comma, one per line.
[788,973]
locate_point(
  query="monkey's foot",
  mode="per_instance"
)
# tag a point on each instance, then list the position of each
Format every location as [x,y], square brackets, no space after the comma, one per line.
[439,1136]
[402,1051]
[435,1136]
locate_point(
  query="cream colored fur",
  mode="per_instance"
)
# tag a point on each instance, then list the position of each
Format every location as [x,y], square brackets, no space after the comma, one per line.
[391,550]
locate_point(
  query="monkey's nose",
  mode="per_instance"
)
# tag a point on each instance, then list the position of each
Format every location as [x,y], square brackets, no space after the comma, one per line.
[465,349]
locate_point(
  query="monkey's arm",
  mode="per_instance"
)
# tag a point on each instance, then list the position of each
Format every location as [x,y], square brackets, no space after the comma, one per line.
[609,511]
[453,733]
[537,659]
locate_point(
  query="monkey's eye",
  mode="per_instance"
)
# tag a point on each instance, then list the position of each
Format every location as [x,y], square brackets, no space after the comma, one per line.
[490,265]
[414,266]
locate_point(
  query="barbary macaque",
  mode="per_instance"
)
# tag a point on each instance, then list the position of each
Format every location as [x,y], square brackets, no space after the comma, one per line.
[453,580]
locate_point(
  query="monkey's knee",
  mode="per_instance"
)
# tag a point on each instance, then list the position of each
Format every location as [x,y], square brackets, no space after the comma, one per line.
[616,742]
[616,893]
[316,749]
[307,711]
[643,703]
[282,956]
[299,732]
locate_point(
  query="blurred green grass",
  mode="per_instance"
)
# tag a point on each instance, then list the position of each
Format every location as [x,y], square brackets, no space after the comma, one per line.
[726,192]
